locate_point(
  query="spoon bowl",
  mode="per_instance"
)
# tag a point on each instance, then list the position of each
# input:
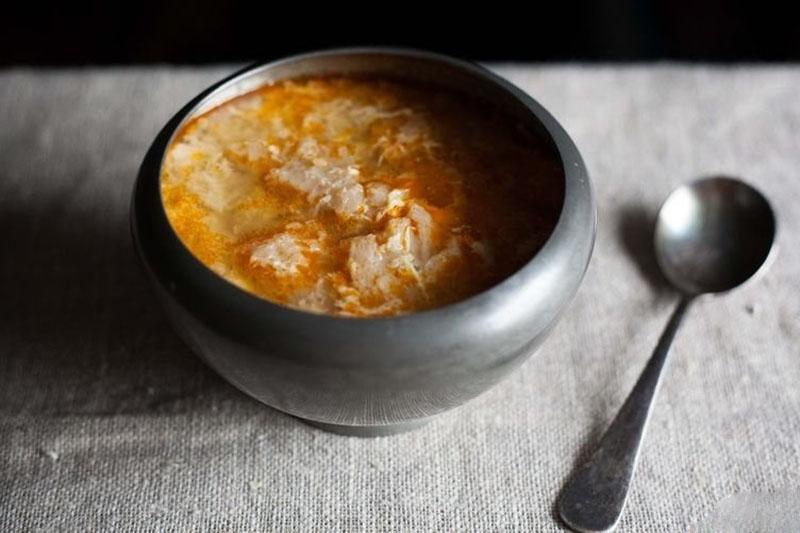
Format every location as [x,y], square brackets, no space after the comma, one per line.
[714,234]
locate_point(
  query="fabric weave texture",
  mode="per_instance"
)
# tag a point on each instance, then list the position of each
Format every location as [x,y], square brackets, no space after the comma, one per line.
[109,423]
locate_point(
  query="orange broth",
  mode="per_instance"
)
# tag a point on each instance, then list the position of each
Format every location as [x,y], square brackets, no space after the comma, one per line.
[360,197]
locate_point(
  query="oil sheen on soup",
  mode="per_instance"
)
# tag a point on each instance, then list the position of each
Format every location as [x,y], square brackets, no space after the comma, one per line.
[360,197]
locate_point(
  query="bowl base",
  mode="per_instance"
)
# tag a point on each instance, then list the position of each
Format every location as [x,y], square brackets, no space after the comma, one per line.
[367,431]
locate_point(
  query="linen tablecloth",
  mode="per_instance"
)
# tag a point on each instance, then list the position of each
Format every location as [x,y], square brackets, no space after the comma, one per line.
[109,423]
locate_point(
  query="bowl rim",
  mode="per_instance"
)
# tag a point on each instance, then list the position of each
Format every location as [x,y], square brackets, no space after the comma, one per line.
[576,181]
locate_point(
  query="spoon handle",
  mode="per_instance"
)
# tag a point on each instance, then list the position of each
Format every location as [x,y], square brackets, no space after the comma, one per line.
[593,499]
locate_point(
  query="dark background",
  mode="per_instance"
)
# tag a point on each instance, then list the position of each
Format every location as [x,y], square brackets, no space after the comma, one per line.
[204,31]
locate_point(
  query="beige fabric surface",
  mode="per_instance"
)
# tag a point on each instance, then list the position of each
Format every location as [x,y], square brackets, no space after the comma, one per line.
[109,423]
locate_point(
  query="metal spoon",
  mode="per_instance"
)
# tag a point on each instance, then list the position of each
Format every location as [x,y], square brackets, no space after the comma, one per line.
[711,236]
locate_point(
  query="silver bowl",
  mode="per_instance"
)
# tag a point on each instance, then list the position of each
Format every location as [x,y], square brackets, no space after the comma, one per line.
[367,376]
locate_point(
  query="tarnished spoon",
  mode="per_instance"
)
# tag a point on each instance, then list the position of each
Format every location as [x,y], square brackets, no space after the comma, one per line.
[711,236]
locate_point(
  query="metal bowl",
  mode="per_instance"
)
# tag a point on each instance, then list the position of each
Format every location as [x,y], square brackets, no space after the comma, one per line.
[367,376]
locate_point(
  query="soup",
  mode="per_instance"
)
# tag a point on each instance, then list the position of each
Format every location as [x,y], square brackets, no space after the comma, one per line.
[360,197]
